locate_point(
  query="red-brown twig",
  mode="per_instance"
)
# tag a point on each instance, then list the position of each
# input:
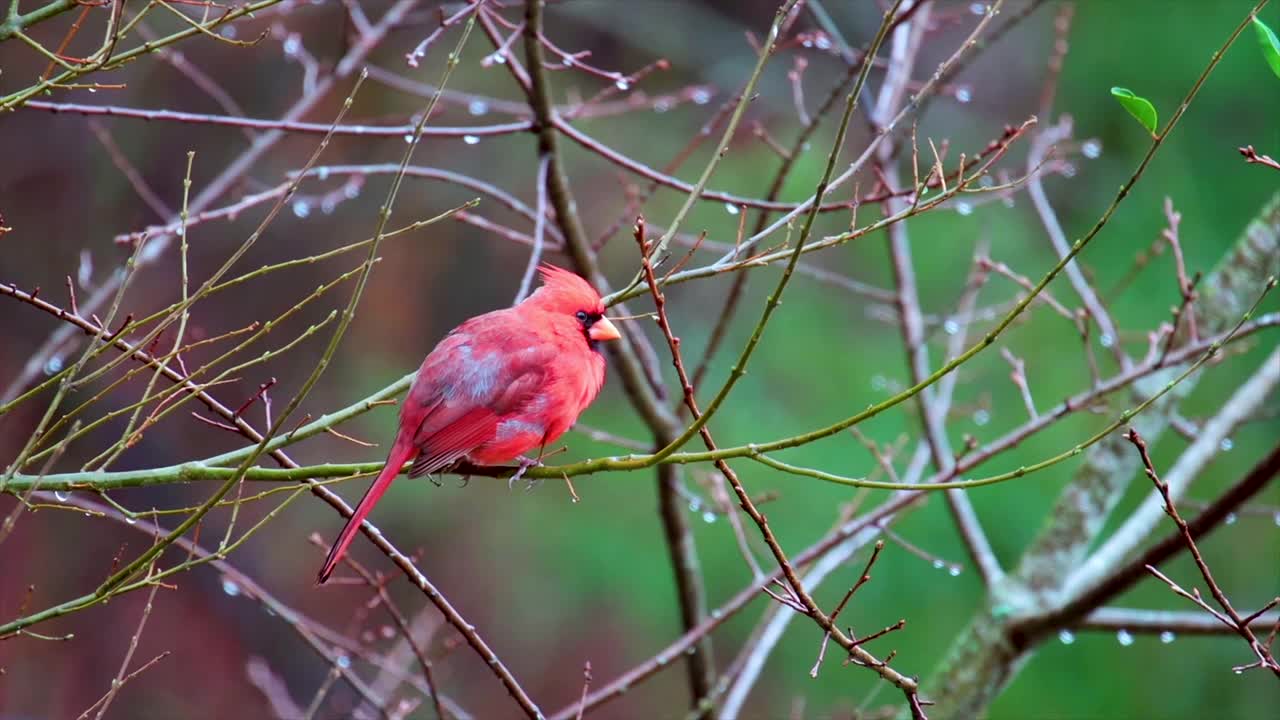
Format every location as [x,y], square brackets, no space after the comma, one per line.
[1186,284]
[1019,377]
[1252,157]
[586,685]
[1183,309]
[1061,30]
[421,48]
[621,84]
[262,389]
[1025,283]
[1228,616]
[796,77]
[863,579]
[797,597]
[66,40]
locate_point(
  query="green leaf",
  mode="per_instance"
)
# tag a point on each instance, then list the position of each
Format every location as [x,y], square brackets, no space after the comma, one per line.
[1139,107]
[1270,45]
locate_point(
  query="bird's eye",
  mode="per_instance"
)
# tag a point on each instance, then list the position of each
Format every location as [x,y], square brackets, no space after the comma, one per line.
[581,315]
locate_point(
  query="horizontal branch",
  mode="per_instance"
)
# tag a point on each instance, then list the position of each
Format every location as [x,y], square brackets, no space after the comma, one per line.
[398,131]
[1161,621]
[209,469]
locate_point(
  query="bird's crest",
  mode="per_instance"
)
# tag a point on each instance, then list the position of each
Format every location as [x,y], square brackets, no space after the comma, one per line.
[565,290]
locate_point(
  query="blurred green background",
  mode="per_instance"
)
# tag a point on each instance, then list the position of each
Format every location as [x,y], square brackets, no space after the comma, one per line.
[551,583]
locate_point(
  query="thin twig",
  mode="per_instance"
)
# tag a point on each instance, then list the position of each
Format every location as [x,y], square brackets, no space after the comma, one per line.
[1252,157]
[1263,652]
[539,230]
[863,579]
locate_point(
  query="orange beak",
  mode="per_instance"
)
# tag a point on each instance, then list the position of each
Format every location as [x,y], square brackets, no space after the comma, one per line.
[602,330]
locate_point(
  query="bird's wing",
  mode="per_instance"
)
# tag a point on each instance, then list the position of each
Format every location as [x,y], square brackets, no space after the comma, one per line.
[453,441]
[477,376]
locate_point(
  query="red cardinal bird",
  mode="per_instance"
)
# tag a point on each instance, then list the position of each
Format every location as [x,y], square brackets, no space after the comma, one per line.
[497,386]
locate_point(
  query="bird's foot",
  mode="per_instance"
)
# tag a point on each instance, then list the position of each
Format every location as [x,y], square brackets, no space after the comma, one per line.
[464,481]
[525,463]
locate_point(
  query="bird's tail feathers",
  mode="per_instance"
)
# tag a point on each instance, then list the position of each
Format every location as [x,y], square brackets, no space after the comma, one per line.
[401,451]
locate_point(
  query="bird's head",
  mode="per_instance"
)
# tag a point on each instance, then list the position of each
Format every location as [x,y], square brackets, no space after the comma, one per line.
[569,298]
